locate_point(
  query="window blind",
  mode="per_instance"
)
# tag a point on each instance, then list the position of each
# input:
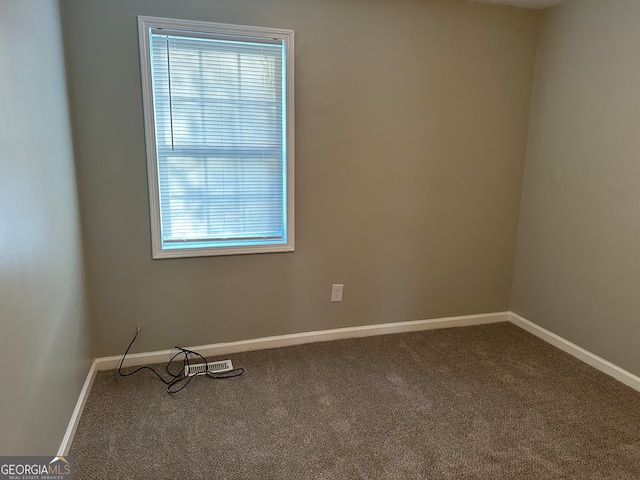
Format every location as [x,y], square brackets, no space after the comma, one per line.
[219,108]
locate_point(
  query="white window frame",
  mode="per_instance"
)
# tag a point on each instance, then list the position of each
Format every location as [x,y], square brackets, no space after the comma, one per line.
[287,36]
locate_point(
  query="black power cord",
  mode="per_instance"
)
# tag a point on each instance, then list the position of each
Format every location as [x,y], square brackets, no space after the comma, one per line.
[177,378]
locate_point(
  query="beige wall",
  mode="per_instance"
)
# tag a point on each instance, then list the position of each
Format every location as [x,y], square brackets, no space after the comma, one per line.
[411,121]
[578,254]
[45,343]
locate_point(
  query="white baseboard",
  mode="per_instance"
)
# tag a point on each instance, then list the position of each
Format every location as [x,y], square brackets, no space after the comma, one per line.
[77,411]
[212,350]
[580,353]
[136,359]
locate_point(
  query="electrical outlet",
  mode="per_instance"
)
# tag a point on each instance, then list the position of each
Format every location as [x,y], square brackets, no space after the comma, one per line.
[138,327]
[336,292]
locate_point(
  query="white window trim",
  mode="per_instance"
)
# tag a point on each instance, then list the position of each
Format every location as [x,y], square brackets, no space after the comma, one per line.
[287,36]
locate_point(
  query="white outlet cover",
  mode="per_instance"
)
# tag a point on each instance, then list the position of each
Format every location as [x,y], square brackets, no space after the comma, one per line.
[336,292]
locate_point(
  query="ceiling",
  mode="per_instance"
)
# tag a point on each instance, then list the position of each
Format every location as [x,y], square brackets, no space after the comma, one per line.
[539,4]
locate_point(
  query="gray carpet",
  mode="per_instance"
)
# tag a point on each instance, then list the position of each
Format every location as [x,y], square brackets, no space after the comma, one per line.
[485,402]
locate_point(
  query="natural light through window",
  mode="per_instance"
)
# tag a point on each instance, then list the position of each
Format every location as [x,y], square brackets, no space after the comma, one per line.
[219,126]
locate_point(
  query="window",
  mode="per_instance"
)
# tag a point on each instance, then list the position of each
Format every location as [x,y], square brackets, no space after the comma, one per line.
[218,109]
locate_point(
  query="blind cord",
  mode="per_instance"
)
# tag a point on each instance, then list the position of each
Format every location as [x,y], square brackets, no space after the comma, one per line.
[170,95]
[177,381]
